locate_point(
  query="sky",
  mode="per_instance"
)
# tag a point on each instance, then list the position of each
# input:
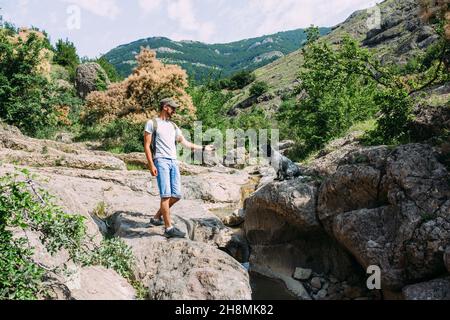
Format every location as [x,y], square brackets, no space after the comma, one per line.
[97,26]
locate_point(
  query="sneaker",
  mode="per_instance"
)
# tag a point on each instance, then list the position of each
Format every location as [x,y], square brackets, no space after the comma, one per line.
[156,222]
[174,233]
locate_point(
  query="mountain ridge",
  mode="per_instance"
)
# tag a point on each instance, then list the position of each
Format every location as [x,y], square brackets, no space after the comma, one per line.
[201,60]
[400,36]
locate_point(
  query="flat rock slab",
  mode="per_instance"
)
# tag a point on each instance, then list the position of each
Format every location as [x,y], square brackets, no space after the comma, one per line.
[180,269]
[99,283]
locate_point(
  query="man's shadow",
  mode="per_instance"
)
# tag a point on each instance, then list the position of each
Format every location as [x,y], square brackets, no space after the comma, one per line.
[137,225]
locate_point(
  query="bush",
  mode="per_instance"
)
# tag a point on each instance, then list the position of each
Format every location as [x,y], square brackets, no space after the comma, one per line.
[209,104]
[237,81]
[242,79]
[136,99]
[110,70]
[20,277]
[118,136]
[339,92]
[22,207]
[66,56]
[26,95]
[395,116]
[259,88]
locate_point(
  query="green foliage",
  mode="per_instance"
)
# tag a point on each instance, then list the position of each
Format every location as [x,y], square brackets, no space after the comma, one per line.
[239,80]
[259,88]
[209,103]
[256,119]
[25,95]
[66,56]
[312,34]
[110,70]
[395,115]
[101,81]
[114,254]
[28,99]
[20,209]
[200,60]
[119,136]
[339,92]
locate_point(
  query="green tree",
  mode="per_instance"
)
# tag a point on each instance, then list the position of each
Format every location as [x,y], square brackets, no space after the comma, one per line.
[312,34]
[259,88]
[338,91]
[110,70]
[66,55]
[242,79]
[26,96]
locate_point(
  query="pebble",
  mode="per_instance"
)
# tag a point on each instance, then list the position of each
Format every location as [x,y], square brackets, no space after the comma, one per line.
[316,283]
[302,274]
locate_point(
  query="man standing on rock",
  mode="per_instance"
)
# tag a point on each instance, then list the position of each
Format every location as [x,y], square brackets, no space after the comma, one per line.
[160,137]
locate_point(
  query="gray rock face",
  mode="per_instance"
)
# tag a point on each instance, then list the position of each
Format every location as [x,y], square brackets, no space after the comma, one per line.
[438,289]
[284,233]
[87,77]
[395,216]
[214,187]
[22,150]
[401,29]
[430,122]
[235,219]
[292,201]
[180,269]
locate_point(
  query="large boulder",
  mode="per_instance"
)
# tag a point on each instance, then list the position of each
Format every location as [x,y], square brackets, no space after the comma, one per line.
[88,76]
[279,206]
[355,184]
[396,215]
[284,233]
[22,150]
[182,269]
[327,161]
[214,187]
[185,270]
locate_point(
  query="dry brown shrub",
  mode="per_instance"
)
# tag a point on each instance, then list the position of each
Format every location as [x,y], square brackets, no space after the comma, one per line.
[63,115]
[137,98]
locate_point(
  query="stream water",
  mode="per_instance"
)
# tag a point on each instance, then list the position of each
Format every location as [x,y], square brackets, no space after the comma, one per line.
[263,288]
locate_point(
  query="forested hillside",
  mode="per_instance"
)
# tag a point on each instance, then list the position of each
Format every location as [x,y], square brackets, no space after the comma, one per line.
[203,60]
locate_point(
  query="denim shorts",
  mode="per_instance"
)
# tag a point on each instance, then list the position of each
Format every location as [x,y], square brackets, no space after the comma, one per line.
[169,178]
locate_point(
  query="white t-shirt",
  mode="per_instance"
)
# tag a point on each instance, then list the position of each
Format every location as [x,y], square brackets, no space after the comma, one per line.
[165,138]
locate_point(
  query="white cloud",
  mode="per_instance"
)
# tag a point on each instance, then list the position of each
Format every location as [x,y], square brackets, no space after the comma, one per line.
[103,8]
[23,7]
[279,15]
[182,11]
[149,5]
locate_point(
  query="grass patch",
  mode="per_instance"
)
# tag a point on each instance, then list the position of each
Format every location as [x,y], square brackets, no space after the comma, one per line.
[135,167]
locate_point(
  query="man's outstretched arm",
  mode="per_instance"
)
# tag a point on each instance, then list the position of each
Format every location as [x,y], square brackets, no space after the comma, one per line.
[190,145]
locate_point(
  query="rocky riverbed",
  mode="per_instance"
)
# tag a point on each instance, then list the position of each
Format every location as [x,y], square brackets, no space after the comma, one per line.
[315,235]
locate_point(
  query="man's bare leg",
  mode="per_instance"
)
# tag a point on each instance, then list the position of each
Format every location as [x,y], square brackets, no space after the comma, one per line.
[171,203]
[166,204]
